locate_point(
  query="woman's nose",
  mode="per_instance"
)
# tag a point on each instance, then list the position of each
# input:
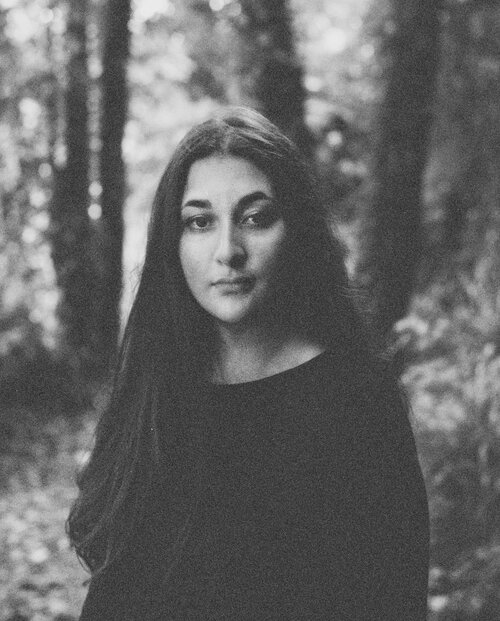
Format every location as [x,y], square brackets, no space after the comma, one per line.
[230,249]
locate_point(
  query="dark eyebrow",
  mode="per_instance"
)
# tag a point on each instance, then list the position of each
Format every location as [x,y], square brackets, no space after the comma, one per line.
[251,198]
[197,203]
[242,203]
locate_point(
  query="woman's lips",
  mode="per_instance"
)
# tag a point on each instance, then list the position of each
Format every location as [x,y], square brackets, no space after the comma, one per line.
[234,285]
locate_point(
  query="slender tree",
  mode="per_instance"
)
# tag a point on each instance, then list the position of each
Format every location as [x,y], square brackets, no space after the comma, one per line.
[270,72]
[112,172]
[469,112]
[393,223]
[69,210]
[244,54]
[459,167]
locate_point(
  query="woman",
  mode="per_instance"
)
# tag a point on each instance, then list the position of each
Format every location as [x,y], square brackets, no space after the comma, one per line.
[256,460]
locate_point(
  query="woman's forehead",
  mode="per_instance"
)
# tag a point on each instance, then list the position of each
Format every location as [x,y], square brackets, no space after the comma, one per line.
[224,176]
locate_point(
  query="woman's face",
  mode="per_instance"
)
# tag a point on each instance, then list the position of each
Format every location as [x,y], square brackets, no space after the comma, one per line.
[232,243]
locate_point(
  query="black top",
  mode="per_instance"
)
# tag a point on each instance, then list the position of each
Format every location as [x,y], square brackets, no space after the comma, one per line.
[314,508]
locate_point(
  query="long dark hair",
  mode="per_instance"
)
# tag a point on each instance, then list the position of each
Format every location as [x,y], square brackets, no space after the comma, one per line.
[157,397]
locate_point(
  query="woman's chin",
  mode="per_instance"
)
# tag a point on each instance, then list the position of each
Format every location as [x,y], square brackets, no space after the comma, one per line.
[242,311]
[234,320]
[235,316]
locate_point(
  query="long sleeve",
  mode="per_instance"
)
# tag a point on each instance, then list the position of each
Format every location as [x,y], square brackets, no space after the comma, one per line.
[125,590]
[389,528]
[360,529]
[119,594]
[109,597]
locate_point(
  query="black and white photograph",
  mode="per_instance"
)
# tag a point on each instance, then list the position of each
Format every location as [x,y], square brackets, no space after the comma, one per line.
[249,310]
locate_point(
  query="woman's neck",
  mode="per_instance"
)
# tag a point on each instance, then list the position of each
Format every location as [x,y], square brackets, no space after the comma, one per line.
[252,353]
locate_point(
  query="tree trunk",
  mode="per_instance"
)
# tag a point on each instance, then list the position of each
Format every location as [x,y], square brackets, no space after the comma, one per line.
[456,124]
[270,73]
[392,228]
[70,231]
[472,112]
[112,173]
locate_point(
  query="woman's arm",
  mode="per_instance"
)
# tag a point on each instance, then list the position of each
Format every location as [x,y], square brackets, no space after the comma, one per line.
[393,525]
[360,533]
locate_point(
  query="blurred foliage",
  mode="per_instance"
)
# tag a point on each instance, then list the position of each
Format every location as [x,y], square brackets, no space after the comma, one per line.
[180,71]
[40,577]
[452,352]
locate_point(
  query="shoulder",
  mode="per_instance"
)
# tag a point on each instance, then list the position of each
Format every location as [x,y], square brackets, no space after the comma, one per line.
[360,396]
[366,380]
[374,405]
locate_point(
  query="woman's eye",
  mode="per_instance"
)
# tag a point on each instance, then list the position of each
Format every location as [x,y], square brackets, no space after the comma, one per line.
[197,223]
[261,219]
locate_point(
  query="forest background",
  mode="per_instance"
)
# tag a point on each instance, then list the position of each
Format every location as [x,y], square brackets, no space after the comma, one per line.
[397,105]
